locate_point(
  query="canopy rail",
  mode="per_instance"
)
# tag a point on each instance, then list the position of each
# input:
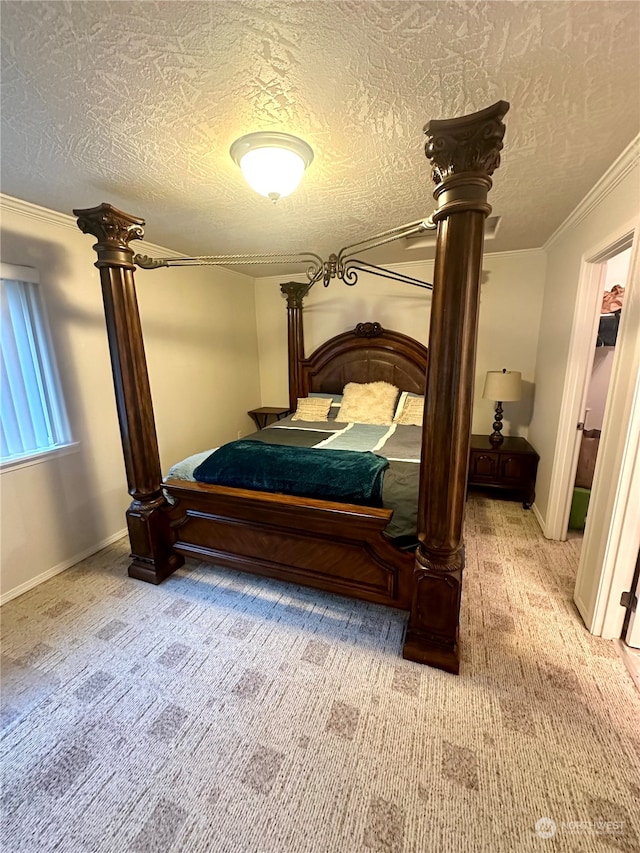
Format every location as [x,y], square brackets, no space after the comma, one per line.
[342,266]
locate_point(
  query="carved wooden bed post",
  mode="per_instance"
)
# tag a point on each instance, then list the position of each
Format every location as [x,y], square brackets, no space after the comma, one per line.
[295,291]
[149,532]
[464,152]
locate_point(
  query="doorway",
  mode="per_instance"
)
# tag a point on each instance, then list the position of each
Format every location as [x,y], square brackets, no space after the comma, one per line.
[614,275]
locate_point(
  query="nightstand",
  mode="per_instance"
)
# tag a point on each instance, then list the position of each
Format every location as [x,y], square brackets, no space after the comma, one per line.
[262,415]
[510,467]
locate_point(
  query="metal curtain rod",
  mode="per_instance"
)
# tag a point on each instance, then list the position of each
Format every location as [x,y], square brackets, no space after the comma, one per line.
[343,266]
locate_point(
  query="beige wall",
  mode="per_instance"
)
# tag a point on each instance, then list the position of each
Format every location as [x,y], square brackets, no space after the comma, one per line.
[199,330]
[510,306]
[201,348]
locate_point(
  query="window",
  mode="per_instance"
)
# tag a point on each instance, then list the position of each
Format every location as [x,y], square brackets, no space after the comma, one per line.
[33,419]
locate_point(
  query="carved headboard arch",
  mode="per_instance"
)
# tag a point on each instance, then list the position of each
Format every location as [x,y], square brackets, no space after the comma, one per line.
[368,353]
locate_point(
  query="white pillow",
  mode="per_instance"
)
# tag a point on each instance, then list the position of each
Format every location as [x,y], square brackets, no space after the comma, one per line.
[368,403]
[312,409]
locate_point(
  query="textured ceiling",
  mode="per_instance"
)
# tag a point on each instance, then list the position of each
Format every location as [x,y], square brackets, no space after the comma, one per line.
[137,103]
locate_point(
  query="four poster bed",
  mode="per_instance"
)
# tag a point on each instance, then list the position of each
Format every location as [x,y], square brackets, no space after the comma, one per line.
[332,545]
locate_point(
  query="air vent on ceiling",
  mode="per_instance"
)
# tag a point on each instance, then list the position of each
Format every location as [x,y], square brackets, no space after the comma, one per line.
[428,238]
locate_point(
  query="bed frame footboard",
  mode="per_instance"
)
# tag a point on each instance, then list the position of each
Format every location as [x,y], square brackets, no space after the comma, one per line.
[333,547]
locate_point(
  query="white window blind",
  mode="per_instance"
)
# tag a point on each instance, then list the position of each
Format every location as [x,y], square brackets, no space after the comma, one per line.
[33,418]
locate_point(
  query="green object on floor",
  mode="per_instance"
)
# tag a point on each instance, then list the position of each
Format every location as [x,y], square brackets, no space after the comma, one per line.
[579,506]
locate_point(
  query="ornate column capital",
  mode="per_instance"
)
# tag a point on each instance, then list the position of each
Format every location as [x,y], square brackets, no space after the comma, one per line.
[295,291]
[113,229]
[470,143]
[463,153]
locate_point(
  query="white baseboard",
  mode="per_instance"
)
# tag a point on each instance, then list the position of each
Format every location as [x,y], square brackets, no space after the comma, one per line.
[61,567]
[539,518]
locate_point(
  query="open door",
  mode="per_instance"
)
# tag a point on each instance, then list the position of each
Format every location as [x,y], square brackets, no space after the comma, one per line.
[614,276]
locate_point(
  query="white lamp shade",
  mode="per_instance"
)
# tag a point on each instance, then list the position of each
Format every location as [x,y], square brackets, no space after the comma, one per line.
[272,172]
[272,163]
[503,386]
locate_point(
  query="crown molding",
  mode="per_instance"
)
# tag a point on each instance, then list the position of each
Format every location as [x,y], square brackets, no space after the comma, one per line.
[66,220]
[621,167]
[35,211]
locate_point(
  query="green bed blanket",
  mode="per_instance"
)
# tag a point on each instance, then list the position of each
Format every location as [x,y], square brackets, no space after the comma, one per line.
[345,476]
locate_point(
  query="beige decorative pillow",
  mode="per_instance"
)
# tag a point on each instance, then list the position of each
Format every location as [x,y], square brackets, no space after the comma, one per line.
[368,403]
[312,409]
[411,411]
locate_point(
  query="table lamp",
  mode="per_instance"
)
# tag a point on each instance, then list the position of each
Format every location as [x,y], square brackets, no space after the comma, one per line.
[502,386]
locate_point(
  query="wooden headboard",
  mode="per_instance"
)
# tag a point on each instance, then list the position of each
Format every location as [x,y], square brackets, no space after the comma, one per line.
[369,353]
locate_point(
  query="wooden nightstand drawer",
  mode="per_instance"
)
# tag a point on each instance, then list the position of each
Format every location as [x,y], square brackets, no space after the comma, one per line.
[516,468]
[483,465]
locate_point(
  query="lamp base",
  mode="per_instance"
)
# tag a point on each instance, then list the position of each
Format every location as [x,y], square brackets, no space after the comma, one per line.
[496,438]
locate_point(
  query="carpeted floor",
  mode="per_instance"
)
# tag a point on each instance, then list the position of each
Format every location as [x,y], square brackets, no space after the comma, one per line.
[222,712]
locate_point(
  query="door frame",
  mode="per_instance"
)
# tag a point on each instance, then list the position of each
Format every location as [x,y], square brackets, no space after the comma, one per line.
[574,398]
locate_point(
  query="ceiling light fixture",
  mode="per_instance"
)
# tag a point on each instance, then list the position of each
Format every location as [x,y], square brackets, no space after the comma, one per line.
[272,163]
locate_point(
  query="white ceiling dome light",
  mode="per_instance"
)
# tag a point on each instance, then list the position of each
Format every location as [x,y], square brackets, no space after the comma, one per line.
[272,163]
